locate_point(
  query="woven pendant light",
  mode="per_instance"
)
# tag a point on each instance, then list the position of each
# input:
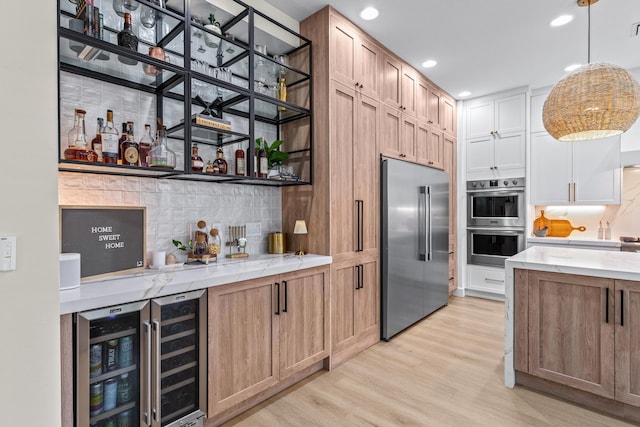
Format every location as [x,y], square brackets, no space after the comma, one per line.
[592,102]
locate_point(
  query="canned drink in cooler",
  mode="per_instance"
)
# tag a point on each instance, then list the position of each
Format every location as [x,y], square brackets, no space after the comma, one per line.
[111,356]
[110,394]
[96,399]
[125,351]
[95,360]
[125,419]
[110,422]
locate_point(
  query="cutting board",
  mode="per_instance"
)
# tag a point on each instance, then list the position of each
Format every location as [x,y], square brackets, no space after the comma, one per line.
[561,228]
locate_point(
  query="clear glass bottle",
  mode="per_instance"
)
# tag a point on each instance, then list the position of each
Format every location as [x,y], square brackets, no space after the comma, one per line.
[109,137]
[145,145]
[220,164]
[197,164]
[127,38]
[161,156]
[96,142]
[78,142]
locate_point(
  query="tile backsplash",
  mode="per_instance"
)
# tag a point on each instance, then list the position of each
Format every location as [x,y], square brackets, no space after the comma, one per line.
[172,205]
[624,218]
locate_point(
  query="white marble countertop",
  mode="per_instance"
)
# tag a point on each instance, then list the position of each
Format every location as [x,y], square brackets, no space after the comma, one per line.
[573,241]
[561,259]
[119,289]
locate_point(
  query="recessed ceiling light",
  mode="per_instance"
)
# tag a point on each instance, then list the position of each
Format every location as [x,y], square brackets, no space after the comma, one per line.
[369,13]
[429,63]
[572,67]
[561,20]
[464,94]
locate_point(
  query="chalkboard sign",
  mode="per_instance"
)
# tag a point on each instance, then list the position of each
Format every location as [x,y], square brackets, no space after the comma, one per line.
[109,239]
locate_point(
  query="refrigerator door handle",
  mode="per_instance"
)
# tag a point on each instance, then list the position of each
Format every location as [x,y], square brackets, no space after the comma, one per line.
[147,409]
[156,382]
[425,225]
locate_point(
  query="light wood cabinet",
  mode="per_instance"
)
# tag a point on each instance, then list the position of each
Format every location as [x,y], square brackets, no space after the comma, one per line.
[355,322]
[585,172]
[428,104]
[449,119]
[399,85]
[399,135]
[355,58]
[627,342]
[354,142]
[262,331]
[449,163]
[429,146]
[579,331]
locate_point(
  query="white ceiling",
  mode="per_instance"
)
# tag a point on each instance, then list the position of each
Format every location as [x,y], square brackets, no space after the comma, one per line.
[492,45]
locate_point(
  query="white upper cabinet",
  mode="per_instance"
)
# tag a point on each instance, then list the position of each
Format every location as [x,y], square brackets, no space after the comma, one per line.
[581,173]
[501,115]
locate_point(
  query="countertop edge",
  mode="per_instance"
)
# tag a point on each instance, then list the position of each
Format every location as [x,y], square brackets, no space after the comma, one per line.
[125,289]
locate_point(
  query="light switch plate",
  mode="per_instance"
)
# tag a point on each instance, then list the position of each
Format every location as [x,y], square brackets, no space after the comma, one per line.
[254,229]
[7,253]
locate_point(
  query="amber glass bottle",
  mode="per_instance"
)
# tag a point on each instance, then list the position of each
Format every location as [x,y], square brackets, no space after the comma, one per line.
[130,148]
[241,164]
[220,164]
[197,164]
[78,146]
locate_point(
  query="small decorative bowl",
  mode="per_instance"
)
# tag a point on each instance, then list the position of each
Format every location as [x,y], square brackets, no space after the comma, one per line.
[540,233]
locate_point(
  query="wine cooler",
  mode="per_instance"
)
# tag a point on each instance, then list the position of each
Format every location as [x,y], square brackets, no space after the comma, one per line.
[142,363]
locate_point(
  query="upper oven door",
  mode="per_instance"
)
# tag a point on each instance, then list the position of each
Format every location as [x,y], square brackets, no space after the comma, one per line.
[503,208]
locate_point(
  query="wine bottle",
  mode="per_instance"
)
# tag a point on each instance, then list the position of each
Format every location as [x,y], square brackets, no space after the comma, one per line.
[109,137]
[127,38]
[241,165]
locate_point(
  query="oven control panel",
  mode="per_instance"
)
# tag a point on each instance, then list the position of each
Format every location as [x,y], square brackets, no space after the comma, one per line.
[490,184]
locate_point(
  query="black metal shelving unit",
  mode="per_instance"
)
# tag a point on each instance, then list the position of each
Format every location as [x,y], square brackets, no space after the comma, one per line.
[230,95]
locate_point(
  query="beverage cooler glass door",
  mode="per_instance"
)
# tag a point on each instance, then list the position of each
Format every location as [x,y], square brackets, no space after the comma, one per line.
[179,363]
[112,358]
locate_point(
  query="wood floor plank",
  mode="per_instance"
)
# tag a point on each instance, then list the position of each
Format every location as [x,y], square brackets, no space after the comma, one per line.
[445,371]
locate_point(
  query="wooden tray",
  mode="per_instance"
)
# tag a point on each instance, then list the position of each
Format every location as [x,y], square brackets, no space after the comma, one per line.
[555,227]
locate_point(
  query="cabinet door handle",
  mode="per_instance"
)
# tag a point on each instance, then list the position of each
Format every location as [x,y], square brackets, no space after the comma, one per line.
[606,306]
[568,192]
[574,191]
[356,276]
[361,276]
[622,307]
[490,280]
[278,298]
[157,405]
[361,225]
[284,310]
[357,84]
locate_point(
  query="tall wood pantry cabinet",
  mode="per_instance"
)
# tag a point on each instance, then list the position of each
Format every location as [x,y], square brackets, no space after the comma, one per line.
[353,76]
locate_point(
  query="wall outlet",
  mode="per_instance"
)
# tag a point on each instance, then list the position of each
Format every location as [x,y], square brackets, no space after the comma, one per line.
[7,253]
[254,229]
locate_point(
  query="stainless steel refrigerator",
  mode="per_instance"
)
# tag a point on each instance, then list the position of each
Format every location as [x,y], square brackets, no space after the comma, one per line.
[415,243]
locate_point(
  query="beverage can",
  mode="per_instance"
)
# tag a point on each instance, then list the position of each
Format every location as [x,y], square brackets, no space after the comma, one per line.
[125,351]
[95,360]
[124,389]
[110,394]
[111,356]
[110,422]
[125,419]
[96,399]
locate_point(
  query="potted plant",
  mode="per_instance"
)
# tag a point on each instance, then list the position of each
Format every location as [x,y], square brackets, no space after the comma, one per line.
[275,157]
[188,248]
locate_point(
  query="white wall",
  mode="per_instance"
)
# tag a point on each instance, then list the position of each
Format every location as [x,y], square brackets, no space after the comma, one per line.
[30,364]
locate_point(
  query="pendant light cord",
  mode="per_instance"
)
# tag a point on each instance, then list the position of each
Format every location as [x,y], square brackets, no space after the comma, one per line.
[589,32]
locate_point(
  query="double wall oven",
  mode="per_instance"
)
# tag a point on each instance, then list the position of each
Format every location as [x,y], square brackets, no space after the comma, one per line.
[495,220]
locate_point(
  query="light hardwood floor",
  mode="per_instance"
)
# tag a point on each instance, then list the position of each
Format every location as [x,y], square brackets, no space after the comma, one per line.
[445,371]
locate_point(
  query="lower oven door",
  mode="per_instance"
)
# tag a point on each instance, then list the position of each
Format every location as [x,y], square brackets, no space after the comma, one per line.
[492,246]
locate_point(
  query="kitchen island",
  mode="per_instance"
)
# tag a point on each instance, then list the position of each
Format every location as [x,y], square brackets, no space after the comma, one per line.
[572,326]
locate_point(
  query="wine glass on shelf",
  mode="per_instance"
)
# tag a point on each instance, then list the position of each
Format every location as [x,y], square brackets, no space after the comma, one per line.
[131,4]
[118,7]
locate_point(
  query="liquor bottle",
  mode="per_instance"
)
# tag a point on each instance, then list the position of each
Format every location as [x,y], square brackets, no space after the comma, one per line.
[96,142]
[241,165]
[144,146]
[197,164]
[78,146]
[209,168]
[220,164]
[123,138]
[130,153]
[160,155]
[255,160]
[109,137]
[263,161]
[282,92]
[128,39]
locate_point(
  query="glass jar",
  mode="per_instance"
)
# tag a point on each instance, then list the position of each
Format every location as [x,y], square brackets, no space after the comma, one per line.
[215,242]
[200,247]
[160,155]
